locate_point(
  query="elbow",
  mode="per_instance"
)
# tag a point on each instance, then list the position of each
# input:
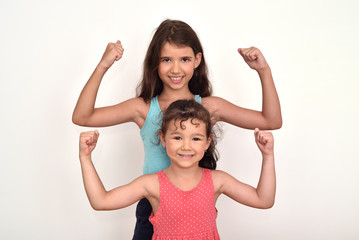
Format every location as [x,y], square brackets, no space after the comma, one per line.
[97,207]
[78,120]
[268,204]
[279,123]
[275,124]
[270,122]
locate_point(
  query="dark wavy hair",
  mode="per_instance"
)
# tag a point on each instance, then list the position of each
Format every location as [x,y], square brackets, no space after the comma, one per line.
[183,110]
[181,34]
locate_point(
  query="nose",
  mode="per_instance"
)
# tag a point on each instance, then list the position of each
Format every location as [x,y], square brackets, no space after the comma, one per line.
[186,145]
[175,68]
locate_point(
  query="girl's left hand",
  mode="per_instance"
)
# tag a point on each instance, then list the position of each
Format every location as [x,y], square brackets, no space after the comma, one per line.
[254,58]
[265,141]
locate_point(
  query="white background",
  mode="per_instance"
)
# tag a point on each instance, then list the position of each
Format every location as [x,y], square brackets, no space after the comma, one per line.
[49,49]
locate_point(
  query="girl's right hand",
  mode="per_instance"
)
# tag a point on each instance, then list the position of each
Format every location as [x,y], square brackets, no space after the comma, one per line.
[88,142]
[112,53]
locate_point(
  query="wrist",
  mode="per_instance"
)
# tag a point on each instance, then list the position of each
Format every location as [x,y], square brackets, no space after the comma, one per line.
[102,67]
[264,72]
[268,155]
[85,157]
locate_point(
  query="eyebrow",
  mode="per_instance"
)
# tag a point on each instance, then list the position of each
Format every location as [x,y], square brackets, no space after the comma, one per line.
[180,57]
[179,133]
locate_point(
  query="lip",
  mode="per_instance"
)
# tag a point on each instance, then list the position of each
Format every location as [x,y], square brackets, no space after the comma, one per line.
[186,156]
[176,80]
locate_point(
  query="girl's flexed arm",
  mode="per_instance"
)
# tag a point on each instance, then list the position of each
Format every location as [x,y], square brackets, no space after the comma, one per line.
[269,118]
[271,112]
[266,187]
[94,188]
[85,113]
[264,195]
[99,198]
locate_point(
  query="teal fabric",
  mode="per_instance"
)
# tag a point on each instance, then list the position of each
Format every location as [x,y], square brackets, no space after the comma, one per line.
[156,158]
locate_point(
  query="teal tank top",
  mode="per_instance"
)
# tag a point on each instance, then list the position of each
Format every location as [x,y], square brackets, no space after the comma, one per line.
[156,158]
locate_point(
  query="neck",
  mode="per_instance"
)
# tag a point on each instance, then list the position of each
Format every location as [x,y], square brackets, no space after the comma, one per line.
[173,95]
[168,97]
[183,172]
[184,179]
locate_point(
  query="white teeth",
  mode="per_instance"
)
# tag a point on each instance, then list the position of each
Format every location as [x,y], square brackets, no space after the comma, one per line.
[176,78]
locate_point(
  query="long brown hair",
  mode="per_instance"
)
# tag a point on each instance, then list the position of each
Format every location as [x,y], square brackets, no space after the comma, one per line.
[181,34]
[183,110]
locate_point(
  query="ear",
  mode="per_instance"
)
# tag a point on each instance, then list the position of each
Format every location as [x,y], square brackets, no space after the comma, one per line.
[197,60]
[162,138]
[209,140]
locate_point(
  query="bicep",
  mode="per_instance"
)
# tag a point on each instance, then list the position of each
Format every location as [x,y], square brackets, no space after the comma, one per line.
[125,195]
[223,110]
[132,110]
[238,191]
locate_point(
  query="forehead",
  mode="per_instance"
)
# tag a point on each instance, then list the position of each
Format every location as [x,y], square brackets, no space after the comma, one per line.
[173,49]
[191,125]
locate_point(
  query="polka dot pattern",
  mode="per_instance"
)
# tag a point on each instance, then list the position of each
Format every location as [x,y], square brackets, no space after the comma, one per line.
[185,214]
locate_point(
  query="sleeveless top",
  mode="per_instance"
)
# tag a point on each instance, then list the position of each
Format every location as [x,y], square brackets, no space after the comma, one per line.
[185,214]
[156,158]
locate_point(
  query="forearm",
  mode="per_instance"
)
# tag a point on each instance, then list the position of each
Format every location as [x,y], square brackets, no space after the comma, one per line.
[94,188]
[86,102]
[266,188]
[271,110]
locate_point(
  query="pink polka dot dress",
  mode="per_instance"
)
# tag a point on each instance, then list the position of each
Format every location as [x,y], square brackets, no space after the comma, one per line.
[185,214]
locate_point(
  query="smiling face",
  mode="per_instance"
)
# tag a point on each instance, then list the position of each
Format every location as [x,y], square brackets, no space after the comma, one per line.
[177,64]
[185,142]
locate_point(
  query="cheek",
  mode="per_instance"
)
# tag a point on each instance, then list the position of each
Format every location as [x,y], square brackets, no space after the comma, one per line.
[161,68]
[191,67]
[171,150]
[171,145]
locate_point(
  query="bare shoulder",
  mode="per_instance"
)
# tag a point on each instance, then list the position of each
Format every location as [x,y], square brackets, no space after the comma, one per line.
[151,183]
[212,100]
[215,106]
[222,181]
[150,178]
[139,108]
[137,103]
[219,174]
[219,177]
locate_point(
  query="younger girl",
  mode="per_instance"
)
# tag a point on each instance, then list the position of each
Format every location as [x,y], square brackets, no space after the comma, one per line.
[174,68]
[183,196]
